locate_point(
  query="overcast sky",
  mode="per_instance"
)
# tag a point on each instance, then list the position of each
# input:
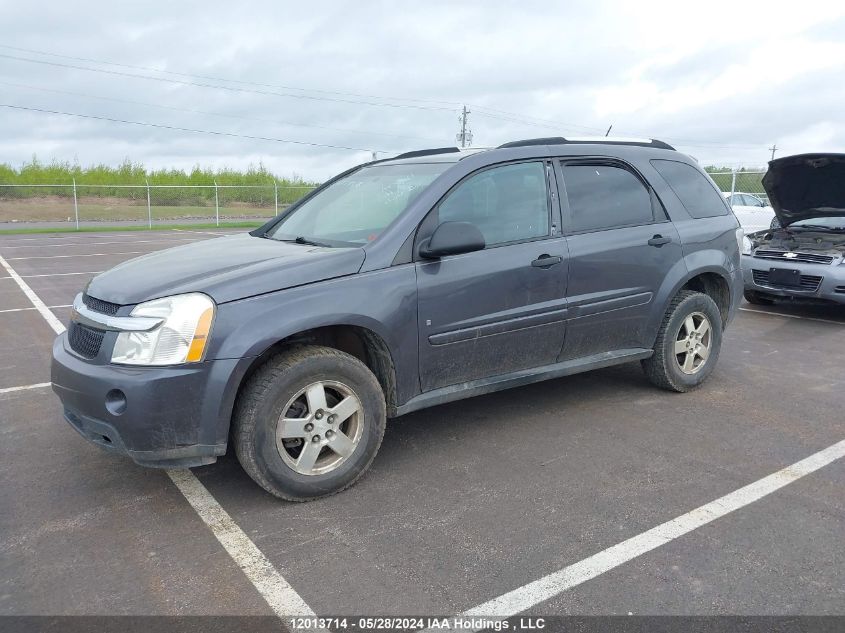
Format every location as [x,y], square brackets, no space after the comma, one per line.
[722,81]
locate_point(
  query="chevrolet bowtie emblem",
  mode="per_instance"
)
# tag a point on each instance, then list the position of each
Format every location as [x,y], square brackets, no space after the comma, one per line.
[790,255]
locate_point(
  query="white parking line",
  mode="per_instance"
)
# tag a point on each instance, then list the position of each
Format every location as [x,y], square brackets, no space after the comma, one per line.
[33,308]
[92,235]
[169,241]
[53,240]
[39,385]
[548,587]
[83,255]
[34,298]
[793,316]
[282,598]
[90,272]
[204,232]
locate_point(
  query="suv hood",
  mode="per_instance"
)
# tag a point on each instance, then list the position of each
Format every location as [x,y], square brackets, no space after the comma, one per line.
[225,268]
[806,186]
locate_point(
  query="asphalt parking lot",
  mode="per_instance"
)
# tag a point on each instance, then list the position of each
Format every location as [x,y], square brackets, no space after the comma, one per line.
[465,502]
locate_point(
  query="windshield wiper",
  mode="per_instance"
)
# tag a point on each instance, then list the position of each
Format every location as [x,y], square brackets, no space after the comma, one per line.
[306,240]
[300,239]
[817,227]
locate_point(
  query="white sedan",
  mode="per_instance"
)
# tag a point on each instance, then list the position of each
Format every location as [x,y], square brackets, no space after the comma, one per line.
[752,212]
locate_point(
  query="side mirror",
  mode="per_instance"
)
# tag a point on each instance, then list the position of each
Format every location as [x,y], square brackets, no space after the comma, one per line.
[452,238]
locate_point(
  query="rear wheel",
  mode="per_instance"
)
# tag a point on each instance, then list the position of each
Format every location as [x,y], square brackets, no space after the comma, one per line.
[309,423]
[688,343]
[752,296]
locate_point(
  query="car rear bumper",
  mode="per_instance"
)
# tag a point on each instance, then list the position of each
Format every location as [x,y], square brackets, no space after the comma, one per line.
[165,417]
[830,286]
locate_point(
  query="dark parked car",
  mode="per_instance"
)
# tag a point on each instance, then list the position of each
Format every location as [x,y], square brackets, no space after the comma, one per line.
[802,257]
[402,284]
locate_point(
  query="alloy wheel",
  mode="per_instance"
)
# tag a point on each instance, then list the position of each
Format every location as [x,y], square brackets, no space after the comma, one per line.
[320,428]
[692,344]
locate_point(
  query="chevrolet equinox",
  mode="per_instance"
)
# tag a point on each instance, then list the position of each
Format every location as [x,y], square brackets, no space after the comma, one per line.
[401,284]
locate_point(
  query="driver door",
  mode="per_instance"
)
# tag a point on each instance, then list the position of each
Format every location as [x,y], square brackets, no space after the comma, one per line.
[501,309]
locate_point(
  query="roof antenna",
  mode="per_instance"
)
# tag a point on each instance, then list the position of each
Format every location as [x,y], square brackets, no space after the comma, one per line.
[608,130]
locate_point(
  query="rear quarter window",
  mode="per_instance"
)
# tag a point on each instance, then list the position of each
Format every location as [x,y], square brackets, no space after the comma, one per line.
[694,190]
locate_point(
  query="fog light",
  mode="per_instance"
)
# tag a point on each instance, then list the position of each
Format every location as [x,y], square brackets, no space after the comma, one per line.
[116,402]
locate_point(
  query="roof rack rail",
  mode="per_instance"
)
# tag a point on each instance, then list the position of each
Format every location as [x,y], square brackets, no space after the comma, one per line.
[427,152]
[573,140]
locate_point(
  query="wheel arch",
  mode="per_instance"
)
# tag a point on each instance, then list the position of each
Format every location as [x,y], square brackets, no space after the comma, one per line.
[713,280]
[715,285]
[357,340]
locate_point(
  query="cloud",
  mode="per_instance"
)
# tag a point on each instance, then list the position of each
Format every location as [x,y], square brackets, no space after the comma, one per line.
[722,80]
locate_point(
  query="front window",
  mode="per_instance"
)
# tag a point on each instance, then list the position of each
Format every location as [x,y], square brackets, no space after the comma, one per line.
[356,209]
[508,203]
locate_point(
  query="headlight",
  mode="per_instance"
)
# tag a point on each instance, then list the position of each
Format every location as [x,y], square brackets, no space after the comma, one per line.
[182,338]
[747,246]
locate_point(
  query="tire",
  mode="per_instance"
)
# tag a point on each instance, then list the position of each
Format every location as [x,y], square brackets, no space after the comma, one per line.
[270,451]
[752,296]
[664,368]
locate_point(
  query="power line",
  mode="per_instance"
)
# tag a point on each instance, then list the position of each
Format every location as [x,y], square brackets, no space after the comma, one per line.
[219,114]
[184,129]
[229,88]
[237,81]
[481,110]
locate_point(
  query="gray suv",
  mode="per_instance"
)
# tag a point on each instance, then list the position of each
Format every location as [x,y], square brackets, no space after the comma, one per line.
[401,284]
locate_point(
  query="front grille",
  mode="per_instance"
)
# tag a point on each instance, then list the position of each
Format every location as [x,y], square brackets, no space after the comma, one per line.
[809,258]
[840,290]
[98,305]
[809,283]
[84,340]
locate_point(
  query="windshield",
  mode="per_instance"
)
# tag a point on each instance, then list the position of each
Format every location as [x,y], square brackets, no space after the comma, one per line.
[836,222]
[355,209]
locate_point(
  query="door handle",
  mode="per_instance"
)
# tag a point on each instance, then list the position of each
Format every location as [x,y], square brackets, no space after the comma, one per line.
[659,240]
[546,261]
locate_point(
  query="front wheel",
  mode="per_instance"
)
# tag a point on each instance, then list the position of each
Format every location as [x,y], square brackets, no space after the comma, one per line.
[688,343]
[309,422]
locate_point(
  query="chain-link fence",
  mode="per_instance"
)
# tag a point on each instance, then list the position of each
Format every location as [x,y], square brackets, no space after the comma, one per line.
[80,204]
[144,204]
[740,183]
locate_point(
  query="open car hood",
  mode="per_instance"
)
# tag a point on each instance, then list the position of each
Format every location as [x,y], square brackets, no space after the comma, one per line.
[806,186]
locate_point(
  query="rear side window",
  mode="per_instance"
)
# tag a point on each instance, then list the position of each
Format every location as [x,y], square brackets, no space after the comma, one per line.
[605,197]
[696,193]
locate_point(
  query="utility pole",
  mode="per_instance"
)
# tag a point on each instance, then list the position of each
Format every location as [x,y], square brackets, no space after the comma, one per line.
[773,148]
[464,137]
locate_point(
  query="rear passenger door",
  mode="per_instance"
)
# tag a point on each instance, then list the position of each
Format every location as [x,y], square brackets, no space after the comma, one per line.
[621,246]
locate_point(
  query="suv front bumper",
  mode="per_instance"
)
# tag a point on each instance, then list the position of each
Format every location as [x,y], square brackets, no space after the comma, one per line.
[165,417]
